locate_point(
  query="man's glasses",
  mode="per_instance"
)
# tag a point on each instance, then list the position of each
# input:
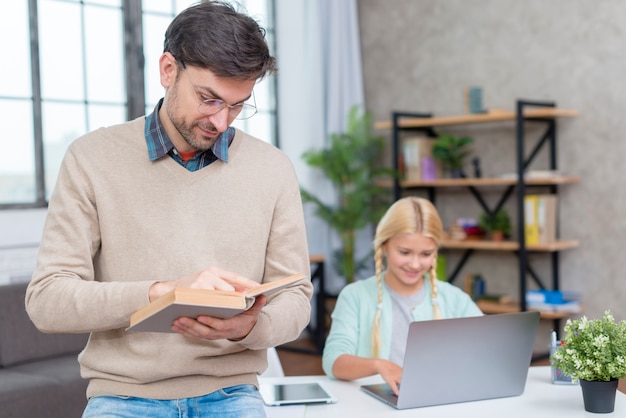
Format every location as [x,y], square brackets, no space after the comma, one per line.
[238,111]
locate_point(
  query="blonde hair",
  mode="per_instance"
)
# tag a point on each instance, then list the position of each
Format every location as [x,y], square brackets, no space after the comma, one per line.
[406,216]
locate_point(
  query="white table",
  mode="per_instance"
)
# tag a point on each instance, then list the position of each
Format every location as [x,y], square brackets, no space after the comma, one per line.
[541,398]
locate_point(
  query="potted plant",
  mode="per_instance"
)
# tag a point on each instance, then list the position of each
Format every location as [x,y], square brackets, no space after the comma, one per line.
[352,164]
[496,224]
[451,151]
[594,352]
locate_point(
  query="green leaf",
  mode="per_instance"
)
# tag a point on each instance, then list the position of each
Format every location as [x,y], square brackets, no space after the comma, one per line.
[451,150]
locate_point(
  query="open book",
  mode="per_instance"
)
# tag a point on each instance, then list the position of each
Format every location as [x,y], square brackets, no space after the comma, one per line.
[158,315]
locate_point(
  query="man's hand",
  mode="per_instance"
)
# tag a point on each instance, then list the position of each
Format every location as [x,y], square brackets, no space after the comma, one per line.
[209,328]
[212,278]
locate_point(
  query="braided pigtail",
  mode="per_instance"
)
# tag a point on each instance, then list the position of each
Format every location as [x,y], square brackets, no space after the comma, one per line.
[432,274]
[378,258]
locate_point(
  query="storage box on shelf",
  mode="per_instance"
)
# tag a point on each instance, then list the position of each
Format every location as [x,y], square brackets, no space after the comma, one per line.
[516,184]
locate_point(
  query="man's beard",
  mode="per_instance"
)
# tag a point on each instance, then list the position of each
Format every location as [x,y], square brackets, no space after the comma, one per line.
[201,144]
[186,131]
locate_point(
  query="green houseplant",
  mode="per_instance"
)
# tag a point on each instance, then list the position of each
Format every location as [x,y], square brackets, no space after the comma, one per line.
[351,163]
[594,350]
[497,225]
[451,151]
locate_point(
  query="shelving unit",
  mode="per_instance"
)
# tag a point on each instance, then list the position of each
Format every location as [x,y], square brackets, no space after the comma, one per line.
[545,113]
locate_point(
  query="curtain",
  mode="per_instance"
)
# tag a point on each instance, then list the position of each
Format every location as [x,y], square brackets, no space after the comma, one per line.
[340,61]
[319,80]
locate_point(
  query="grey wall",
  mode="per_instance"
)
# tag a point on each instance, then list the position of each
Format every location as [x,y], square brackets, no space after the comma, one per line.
[420,55]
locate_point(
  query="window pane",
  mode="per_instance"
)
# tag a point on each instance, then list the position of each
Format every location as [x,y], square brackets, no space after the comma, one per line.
[14,30]
[157,6]
[264,99]
[17,162]
[183,4]
[260,126]
[103,2]
[104,54]
[157,16]
[61,50]
[258,10]
[153,35]
[101,116]
[167,7]
[62,124]
[113,3]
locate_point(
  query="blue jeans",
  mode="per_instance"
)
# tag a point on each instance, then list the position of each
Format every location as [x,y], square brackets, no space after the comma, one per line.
[243,401]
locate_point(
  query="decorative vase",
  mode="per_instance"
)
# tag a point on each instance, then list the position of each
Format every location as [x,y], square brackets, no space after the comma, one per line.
[598,395]
[457,173]
[497,236]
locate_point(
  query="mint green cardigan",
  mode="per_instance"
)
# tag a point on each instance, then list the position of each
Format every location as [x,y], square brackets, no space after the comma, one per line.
[353,317]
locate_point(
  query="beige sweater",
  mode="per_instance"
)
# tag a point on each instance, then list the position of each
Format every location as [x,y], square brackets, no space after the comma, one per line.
[118,222]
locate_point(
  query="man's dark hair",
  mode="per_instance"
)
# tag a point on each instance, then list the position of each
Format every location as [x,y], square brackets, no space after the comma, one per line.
[213,35]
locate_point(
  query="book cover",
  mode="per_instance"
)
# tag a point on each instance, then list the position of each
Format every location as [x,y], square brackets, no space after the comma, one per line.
[546,218]
[540,219]
[418,161]
[158,315]
[564,306]
[531,226]
[552,296]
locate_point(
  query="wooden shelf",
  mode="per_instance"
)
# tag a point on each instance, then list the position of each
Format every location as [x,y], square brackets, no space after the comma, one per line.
[493,115]
[507,245]
[494,181]
[490,307]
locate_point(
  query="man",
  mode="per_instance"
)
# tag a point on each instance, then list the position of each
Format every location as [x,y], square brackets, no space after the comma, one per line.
[177,199]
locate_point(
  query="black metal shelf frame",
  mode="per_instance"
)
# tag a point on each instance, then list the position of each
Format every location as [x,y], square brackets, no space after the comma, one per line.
[549,139]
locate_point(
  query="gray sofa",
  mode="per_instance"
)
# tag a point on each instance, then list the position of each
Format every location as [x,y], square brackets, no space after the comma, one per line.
[39,373]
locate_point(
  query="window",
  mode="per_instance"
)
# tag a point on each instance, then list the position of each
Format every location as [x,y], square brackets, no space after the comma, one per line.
[68,79]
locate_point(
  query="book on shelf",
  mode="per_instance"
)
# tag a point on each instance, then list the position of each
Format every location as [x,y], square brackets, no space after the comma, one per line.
[572,306]
[539,219]
[553,300]
[158,315]
[551,296]
[418,162]
[475,285]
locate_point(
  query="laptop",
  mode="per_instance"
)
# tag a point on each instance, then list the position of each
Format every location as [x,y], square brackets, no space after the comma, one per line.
[463,359]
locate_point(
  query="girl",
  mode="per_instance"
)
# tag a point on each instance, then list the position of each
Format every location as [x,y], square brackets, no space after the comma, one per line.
[371,318]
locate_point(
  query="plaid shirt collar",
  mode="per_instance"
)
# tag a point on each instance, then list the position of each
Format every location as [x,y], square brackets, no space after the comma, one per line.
[159,144]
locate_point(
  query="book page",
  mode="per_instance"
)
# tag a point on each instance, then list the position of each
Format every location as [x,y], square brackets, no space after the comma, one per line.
[271,287]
